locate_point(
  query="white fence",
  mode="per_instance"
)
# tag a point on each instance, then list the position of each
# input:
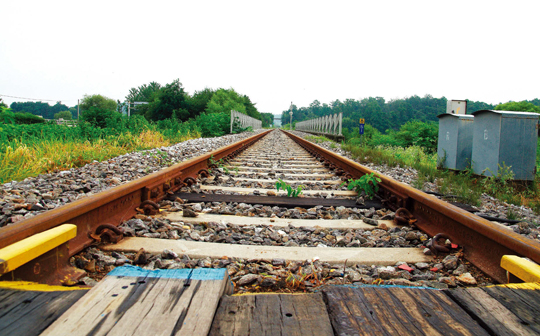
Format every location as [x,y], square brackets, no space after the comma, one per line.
[244,120]
[330,124]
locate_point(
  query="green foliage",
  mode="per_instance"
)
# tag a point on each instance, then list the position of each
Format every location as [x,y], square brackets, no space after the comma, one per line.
[267,119]
[412,133]
[66,115]
[213,124]
[317,139]
[280,184]
[101,117]
[9,117]
[39,108]
[198,102]
[97,101]
[523,106]
[418,133]
[169,100]
[144,93]
[223,101]
[219,164]
[367,184]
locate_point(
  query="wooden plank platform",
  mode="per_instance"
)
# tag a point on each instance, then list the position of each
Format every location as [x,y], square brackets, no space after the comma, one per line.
[286,202]
[501,310]
[134,301]
[272,314]
[396,311]
[29,312]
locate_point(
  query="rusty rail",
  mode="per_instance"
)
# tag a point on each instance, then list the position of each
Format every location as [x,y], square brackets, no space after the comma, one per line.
[485,242]
[110,207]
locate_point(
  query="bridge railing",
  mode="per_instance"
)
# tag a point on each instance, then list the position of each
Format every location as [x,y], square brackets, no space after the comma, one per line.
[327,125]
[245,120]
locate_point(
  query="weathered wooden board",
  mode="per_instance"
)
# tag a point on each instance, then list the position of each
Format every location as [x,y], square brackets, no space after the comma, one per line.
[490,313]
[272,314]
[134,301]
[287,202]
[396,311]
[523,303]
[30,312]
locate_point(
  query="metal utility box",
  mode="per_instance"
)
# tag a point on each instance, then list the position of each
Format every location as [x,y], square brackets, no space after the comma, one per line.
[505,138]
[454,148]
[456,107]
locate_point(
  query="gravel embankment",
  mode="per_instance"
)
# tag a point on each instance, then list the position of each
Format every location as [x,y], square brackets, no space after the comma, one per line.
[35,195]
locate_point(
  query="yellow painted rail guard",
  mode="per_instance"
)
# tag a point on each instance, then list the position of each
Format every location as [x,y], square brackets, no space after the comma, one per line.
[522,268]
[21,252]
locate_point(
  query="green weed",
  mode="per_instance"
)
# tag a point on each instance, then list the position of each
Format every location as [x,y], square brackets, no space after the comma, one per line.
[367,184]
[280,184]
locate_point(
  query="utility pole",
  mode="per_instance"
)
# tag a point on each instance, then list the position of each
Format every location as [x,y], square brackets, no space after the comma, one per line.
[291,115]
[78,103]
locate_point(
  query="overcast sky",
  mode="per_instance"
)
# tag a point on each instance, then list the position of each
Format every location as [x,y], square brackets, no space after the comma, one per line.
[275,51]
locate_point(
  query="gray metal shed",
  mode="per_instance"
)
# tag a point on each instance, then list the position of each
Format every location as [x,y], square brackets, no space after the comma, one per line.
[505,138]
[454,148]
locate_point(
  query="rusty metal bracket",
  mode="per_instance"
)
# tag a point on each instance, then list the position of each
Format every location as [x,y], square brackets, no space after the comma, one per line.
[107,233]
[190,181]
[150,208]
[404,217]
[203,173]
[435,247]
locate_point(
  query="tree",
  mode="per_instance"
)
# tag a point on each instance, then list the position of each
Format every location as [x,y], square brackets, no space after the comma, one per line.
[98,101]
[198,103]
[267,119]
[169,100]
[39,108]
[523,106]
[2,104]
[144,93]
[100,117]
[251,110]
[66,115]
[223,101]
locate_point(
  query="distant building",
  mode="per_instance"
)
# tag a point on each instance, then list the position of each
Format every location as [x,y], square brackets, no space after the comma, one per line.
[277,120]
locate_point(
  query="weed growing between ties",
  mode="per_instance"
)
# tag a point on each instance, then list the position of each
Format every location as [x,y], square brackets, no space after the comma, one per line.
[368,184]
[280,184]
[464,187]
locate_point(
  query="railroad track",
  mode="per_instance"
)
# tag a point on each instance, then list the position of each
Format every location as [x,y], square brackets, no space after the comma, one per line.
[222,209]
[244,175]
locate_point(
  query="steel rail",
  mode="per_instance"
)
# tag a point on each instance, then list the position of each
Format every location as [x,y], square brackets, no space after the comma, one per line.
[111,207]
[484,242]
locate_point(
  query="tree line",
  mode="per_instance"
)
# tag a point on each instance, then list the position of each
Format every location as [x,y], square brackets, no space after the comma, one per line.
[155,103]
[388,115]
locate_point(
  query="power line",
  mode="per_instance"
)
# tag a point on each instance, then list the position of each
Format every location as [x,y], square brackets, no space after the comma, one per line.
[53,100]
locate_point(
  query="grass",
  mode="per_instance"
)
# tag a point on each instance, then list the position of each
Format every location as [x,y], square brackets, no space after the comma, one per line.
[464,186]
[22,159]
[317,139]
